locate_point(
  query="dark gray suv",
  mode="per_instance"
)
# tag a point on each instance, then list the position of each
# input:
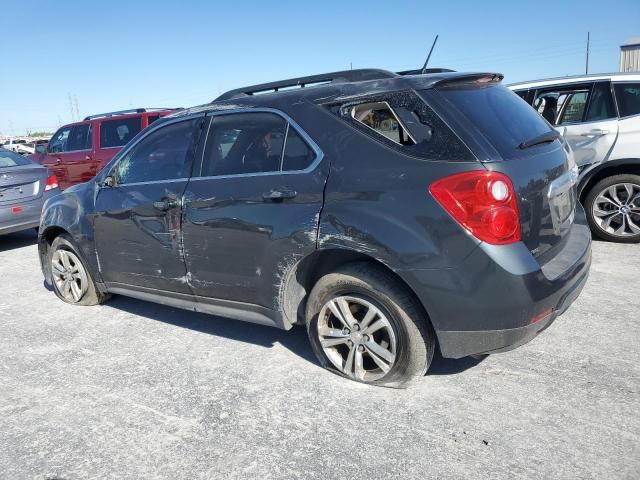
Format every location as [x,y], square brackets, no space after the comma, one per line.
[388,213]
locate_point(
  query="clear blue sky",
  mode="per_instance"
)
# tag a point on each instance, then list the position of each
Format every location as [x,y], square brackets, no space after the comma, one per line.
[117,54]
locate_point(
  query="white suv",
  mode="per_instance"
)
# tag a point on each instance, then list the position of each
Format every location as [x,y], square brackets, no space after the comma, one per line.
[599,115]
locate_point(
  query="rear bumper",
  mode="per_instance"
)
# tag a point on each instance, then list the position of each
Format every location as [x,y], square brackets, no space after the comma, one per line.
[494,299]
[28,217]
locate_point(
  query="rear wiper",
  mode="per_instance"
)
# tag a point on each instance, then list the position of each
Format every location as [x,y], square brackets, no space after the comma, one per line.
[544,138]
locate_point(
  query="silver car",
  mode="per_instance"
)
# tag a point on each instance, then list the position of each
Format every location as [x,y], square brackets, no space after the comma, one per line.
[24,187]
[599,115]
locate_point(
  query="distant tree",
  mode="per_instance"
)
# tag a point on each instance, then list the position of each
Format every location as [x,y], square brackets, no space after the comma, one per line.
[38,134]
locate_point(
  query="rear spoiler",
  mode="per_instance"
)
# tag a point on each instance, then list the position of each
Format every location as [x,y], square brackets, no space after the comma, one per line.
[472,79]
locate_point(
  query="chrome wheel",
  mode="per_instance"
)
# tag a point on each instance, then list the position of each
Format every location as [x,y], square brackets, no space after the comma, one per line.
[616,210]
[357,338]
[69,275]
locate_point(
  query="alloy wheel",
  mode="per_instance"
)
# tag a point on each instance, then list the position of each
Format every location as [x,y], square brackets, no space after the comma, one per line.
[69,275]
[616,210]
[357,337]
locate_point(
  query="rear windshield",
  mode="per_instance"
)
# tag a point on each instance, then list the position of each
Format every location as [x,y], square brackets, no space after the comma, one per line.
[501,116]
[10,159]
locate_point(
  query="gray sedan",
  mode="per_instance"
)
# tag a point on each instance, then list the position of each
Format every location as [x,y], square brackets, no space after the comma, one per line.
[24,187]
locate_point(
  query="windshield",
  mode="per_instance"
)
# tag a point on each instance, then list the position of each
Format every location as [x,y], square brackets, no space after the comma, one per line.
[499,114]
[11,159]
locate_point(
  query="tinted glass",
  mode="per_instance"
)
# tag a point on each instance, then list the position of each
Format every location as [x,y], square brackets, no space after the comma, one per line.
[244,143]
[59,141]
[601,103]
[503,118]
[152,118]
[163,155]
[628,96]
[116,133]
[297,154]
[574,107]
[80,138]
[11,159]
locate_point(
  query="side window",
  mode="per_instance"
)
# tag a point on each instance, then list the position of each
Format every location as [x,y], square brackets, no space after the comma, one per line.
[380,118]
[562,106]
[628,96]
[244,143]
[574,107]
[152,118]
[522,94]
[601,103]
[165,154]
[406,122]
[116,133]
[297,154]
[59,141]
[80,138]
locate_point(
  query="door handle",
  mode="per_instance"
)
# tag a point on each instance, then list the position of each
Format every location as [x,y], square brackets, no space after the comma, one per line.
[275,195]
[595,133]
[166,204]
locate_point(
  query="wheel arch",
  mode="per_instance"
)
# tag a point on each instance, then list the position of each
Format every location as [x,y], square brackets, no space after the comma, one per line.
[604,170]
[45,240]
[306,272]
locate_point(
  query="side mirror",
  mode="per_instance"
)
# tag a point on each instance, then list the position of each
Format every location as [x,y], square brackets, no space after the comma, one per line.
[108,181]
[40,149]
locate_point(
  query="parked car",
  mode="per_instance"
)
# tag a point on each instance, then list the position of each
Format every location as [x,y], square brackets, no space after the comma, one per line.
[78,151]
[387,213]
[599,115]
[24,187]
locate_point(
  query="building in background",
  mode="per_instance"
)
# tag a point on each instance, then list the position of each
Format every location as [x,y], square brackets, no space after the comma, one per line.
[630,55]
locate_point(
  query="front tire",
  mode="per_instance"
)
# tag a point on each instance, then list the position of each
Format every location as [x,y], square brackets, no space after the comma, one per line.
[70,278]
[365,325]
[613,208]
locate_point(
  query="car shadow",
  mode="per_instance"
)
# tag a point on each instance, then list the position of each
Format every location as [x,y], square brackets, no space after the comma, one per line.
[11,241]
[294,340]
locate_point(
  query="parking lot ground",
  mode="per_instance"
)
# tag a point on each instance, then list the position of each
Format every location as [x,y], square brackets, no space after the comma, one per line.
[137,390]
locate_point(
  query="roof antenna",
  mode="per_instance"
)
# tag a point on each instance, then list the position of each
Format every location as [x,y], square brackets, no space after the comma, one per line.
[424,67]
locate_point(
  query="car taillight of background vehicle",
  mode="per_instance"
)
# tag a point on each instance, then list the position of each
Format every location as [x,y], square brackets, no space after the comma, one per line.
[52,182]
[484,203]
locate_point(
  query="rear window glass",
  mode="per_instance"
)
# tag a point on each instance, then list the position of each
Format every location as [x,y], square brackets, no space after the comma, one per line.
[499,114]
[380,118]
[10,159]
[116,133]
[628,95]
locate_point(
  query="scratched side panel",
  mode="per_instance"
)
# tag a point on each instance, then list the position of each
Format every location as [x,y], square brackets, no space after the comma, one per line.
[136,243]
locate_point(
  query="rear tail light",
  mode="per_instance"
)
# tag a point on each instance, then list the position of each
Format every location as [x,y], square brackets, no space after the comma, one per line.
[484,203]
[52,182]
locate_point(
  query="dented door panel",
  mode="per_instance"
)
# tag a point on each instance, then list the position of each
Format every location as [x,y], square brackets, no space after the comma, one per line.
[138,243]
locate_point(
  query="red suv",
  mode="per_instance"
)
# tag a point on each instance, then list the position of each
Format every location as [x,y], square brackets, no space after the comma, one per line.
[78,151]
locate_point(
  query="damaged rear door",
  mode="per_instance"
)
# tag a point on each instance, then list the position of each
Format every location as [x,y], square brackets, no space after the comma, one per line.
[138,210]
[252,211]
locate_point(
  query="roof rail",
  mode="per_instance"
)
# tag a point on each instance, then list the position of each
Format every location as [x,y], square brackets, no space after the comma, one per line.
[301,82]
[126,112]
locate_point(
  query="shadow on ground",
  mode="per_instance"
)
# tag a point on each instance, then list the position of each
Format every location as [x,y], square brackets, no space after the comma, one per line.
[295,339]
[18,240]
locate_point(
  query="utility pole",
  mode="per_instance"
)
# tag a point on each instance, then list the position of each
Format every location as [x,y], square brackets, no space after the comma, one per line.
[586,68]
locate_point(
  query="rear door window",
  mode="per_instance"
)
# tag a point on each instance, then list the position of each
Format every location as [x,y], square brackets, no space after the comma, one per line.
[244,143]
[628,97]
[601,104]
[500,116]
[60,140]
[80,137]
[116,133]
[298,155]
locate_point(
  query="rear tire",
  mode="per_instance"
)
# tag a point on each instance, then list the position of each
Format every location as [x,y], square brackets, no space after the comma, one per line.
[366,326]
[70,277]
[613,208]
